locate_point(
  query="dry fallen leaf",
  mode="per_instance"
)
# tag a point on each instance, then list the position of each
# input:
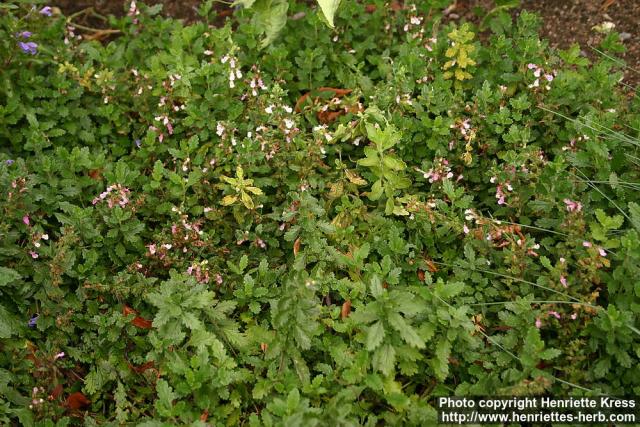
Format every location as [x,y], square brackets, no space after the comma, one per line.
[296,247]
[346,309]
[76,400]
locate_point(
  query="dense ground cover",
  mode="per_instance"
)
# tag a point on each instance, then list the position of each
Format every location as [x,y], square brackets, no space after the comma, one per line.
[187,238]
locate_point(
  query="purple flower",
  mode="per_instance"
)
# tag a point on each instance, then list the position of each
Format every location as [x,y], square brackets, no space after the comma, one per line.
[138,143]
[46,11]
[24,34]
[563,280]
[9,162]
[28,47]
[33,320]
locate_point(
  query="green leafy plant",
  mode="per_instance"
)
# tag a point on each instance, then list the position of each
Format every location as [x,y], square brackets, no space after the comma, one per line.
[386,167]
[335,229]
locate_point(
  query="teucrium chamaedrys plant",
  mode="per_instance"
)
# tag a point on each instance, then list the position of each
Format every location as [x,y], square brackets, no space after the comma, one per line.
[184,240]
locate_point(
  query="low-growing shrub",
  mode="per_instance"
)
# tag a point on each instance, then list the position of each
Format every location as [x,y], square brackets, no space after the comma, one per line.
[332,230]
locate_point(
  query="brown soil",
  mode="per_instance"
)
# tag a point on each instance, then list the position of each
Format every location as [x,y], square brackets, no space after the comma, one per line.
[564,21]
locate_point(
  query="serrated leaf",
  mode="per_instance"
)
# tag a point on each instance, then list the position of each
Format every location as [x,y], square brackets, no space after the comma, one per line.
[244,261]
[376,286]
[393,163]
[166,396]
[376,190]
[634,211]
[8,324]
[549,353]
[269,18]
[407,333]
[384,359]
[448,290]
[8,275]
[375,335]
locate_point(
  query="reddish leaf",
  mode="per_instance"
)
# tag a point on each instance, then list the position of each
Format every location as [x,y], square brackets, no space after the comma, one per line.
[126,310]
[296,247]
[326,117]
[338,93]
[76,400]
[140,369]
[204,416]
[346,309]
[138,321]
[421,275]
[606,4]
[95,174]
[141,323]
[431,266]
[57,391]
[264,346]
[370,8]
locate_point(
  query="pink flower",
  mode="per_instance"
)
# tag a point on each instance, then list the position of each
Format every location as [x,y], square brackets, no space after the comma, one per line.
[586,244]
[554,314]
[602,252]
[563,280]
[574,316]
[152,249]
[573,206]
[538,323]
[465,229]
[25,219]
[58,356]
[34,255]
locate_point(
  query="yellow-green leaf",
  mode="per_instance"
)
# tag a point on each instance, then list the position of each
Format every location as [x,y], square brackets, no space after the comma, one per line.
[354,178]
[246,200]
[329,8]
[229,200]
[254,190]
